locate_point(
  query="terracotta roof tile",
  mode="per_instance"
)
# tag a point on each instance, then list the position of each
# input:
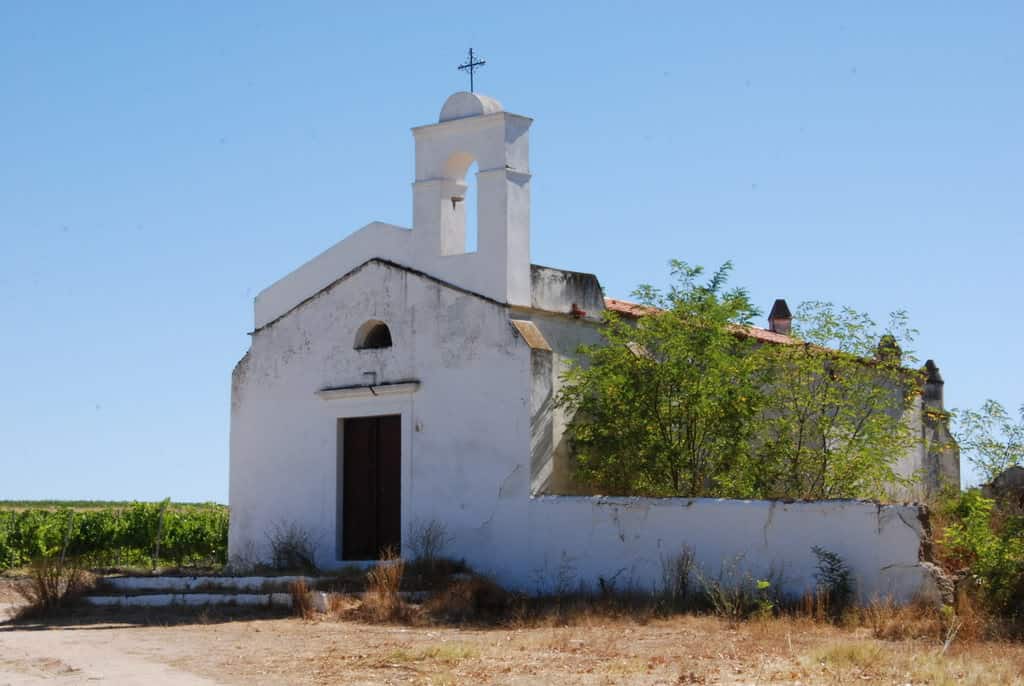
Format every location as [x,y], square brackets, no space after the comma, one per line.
[631,309]
[628,308]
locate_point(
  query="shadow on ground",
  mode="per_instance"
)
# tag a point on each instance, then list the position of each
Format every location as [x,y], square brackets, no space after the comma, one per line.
[87,617]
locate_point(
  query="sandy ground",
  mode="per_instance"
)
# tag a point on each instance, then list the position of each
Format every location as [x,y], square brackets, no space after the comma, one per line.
[213,648]
[291,651]
[88,656]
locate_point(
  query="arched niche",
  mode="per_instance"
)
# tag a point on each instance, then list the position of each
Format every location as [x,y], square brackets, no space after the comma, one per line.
[373,335]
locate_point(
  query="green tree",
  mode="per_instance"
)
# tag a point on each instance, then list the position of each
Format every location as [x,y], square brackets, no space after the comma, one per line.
[990,438]
[834,421]
[663,407]
[989,542]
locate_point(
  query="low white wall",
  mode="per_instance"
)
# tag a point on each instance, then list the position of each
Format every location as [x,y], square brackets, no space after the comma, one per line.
[583,538]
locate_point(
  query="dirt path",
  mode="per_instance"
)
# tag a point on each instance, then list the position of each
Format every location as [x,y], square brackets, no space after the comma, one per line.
[86,655]
[83,653]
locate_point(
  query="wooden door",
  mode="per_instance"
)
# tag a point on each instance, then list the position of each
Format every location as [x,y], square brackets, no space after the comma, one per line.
[370,468]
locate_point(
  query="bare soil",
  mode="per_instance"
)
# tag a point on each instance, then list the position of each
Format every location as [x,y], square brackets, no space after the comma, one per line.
[242,647]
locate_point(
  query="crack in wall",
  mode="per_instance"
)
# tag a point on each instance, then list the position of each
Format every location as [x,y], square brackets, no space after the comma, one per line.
[899,565]
[911,526]
[925,551]
[922,530]
[618,524]
[768,522]
[504,482]
[501,491]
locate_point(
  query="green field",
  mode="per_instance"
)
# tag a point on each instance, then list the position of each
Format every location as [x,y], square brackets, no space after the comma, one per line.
[83,504]
[113,534]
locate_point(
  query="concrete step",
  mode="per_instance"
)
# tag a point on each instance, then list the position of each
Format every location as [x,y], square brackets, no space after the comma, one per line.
[185,584]
[149,597]
[191,599]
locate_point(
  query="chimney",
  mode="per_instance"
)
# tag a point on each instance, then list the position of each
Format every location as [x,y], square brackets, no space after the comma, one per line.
[780,319]
[933,384]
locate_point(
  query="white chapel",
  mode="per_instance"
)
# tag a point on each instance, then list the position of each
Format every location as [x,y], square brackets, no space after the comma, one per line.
[398,379]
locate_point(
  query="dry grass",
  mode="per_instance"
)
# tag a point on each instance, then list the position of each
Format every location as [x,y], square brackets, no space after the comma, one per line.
[965,622]
[645,638]
[676,571]
[474,599]
[471,631]
[564,641]
[423,575]
[302,606]
[427,540]
[908,662]
[53,584]
[382,600]
[443,653]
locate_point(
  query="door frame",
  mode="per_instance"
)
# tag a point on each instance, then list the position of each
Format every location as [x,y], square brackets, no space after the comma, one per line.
[354,406]
[370,463]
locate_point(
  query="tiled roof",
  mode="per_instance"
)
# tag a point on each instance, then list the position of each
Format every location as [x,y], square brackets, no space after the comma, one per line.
[627,308]
[631,309]
[765,335]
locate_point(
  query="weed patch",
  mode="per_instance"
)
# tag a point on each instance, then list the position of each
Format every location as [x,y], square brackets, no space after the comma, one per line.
[382,600]
[53,584]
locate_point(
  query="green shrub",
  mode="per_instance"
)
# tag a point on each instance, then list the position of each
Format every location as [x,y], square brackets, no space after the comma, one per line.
[835,582]
[989,543]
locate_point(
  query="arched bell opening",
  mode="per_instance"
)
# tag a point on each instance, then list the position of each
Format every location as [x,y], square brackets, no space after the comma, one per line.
[460,227]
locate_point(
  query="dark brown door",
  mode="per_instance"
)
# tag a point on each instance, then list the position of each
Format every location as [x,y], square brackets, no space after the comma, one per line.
[371,485]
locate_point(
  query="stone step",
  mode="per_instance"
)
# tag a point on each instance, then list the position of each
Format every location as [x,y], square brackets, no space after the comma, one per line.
[184,584]
[319,600]
[190,599]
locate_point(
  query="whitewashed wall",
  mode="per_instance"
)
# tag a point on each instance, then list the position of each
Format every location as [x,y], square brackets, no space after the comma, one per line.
[627,539]
[465,431]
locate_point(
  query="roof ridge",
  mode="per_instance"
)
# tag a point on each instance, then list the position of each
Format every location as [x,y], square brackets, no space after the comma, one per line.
[633,309]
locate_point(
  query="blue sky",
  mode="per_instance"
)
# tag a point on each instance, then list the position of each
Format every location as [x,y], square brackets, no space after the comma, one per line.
[159,165]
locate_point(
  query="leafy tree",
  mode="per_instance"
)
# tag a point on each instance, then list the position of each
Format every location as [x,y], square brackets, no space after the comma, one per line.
[664,406]
[992,441]
[833,424]
[990,544]
[686,401]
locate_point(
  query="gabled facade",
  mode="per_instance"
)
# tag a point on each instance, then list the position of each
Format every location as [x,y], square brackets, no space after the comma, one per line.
[475,339]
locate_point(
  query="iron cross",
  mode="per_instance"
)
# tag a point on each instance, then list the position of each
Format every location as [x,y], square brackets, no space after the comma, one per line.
[471,65]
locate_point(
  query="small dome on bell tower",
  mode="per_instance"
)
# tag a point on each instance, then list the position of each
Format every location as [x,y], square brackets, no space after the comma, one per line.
[465,104]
